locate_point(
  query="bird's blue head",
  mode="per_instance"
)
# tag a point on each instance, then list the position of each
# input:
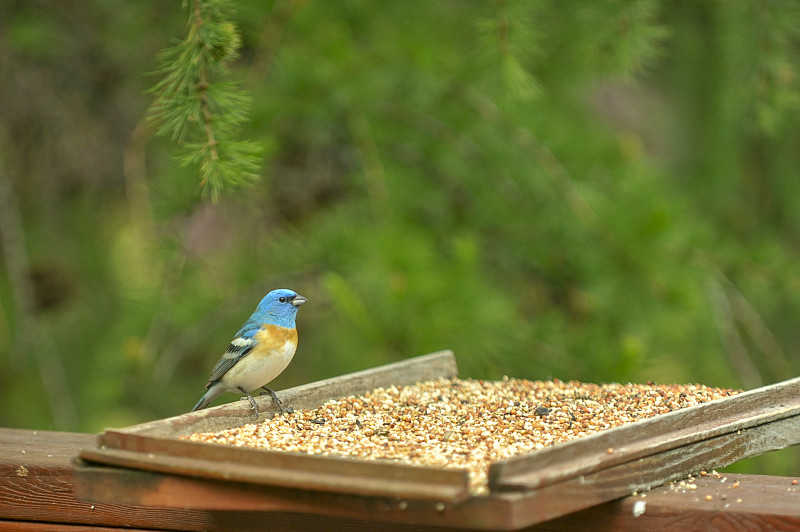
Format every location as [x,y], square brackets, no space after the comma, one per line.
[279,307]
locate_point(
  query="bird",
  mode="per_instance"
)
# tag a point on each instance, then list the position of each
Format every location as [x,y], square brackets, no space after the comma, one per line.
[259,352]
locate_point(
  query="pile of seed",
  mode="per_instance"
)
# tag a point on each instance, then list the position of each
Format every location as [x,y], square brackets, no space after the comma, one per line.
[463,423]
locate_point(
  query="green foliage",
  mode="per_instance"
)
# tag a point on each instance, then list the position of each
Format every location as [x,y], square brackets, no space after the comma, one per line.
[202,115]
[604,191]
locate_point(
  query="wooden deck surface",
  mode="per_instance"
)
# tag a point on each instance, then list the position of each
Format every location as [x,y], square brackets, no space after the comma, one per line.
[525,490]
[37,493]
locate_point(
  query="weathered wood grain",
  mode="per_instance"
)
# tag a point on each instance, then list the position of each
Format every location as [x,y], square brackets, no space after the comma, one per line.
[507,511]
[307,396]
[525,490]
[289,470]
[748,500]
[724,503]
[154,446]
[36,486]
[583,491]
[45,500]
[652,436]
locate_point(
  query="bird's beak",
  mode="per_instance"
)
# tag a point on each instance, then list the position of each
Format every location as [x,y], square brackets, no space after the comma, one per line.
[298,300]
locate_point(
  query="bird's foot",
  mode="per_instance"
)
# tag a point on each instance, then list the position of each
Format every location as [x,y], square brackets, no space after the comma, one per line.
[249,398]
[278,402]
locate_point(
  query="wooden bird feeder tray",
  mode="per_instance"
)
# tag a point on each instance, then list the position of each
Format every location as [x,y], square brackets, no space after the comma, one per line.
[524,490]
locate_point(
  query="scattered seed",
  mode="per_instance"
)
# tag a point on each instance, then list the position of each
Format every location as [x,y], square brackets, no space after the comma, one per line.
[462,423]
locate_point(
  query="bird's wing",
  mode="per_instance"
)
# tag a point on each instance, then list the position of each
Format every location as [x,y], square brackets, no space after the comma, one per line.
[239,347]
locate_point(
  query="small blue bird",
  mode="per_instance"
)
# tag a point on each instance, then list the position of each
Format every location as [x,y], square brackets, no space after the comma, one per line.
[259,352]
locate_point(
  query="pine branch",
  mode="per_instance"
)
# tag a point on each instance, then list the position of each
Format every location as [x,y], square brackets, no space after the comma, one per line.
[509,36]
[202,115]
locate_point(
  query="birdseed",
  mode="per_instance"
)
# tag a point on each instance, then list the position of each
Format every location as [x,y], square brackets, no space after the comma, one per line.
[463,423]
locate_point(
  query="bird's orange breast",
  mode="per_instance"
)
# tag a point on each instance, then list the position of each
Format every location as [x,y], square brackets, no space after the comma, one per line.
[274,337]
[274,349]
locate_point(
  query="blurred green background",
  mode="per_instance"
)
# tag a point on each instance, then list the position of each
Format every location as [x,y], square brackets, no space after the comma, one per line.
[600,190]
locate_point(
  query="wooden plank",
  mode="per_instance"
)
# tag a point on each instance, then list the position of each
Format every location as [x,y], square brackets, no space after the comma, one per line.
[36,486]
[526,490]
[47,496]
[153,446]
[307,396]
[37,492]
[142,487]
[506,511]
[724,502]
[648,437]
[39,526]
[755,499]
[584,491]
[289,470]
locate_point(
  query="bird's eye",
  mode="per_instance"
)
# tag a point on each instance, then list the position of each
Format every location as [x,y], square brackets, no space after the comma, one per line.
[282,299]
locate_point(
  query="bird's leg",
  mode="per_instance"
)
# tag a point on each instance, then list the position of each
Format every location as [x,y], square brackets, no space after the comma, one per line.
[274,398]
[249,398]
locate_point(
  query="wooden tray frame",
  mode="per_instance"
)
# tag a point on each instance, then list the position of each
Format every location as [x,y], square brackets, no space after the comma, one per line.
[525,490]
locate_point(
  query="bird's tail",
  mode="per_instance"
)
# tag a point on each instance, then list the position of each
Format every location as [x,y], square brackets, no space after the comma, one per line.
[206,399]
[202,403]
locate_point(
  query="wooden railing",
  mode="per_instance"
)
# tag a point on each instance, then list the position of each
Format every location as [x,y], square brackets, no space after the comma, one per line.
[37,493]
[147,477]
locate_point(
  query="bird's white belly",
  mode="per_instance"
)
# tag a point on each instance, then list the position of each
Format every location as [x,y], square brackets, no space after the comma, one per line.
[258,369]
